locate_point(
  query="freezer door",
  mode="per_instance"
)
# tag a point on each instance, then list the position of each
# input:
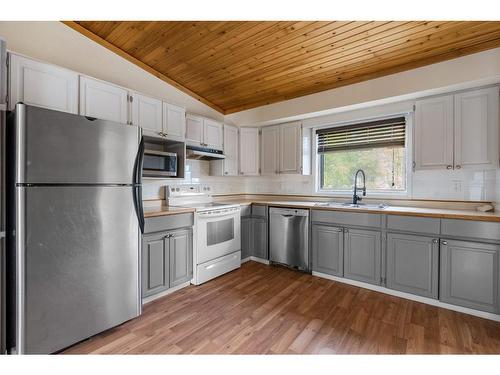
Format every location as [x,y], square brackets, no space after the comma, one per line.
[56,147]
[77,262]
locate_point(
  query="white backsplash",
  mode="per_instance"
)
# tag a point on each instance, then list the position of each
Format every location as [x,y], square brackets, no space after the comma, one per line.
[197,171]
[464,185]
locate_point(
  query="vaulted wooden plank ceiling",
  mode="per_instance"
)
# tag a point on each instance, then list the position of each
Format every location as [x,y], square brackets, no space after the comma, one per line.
[233,66]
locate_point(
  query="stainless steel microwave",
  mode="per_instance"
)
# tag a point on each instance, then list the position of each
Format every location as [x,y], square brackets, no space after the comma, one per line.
[159,164]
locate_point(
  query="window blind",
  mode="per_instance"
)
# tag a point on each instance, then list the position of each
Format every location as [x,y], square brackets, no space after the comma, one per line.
[380,133]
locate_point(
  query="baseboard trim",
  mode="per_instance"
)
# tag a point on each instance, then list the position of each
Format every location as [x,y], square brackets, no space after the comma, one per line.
[412,297]
[259,260]
[245,260]
[165,293]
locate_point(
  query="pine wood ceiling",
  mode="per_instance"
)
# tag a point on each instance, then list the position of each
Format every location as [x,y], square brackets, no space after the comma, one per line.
[233,66]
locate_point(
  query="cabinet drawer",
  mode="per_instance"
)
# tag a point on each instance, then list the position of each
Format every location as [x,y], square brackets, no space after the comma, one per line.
[219,266]
[468,228]
[347,218]
[413,224]
[246,210]
[258,210]
[169,222]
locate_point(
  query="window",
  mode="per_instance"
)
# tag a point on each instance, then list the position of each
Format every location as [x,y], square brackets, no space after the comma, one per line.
[377,147]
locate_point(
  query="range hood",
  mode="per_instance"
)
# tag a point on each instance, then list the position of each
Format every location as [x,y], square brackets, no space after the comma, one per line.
[203,153]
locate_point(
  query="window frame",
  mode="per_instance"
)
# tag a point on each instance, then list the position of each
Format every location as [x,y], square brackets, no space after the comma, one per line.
[317,164]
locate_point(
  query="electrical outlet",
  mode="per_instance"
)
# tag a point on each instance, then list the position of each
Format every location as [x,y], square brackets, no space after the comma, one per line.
[456,186]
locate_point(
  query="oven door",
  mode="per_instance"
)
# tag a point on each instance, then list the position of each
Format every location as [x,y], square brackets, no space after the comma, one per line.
[218,233]
[159,164]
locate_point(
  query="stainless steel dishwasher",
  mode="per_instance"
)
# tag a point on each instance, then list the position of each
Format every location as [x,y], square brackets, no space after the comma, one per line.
[289,237]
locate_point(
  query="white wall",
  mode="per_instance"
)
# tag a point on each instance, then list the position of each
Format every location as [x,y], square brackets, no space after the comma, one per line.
[58,44]
[474,69]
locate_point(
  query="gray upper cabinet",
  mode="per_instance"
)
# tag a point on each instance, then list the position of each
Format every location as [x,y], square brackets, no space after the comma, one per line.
[469,275]
[155,264]
[457,131]
[259,234]
[246,237]
[362,259]
[434,133]
[327,249]
[412,264]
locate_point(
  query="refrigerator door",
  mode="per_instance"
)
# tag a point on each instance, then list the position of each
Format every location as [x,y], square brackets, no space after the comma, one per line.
[60,148]
[78,251]
[3,279]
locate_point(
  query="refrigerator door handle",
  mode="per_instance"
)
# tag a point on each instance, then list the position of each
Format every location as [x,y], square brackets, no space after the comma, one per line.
[139,209]
[138,163]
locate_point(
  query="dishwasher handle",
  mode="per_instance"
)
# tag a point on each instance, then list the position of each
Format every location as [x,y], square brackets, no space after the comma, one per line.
[288,212]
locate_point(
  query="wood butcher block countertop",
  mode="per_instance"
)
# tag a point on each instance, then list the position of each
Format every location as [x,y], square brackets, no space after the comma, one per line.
[165,210]
[445,212]
[436,212]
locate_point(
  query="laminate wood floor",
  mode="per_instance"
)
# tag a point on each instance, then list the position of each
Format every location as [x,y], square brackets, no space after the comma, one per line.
[261,309]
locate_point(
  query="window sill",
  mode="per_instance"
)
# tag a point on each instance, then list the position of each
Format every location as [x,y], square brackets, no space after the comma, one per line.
[369,194]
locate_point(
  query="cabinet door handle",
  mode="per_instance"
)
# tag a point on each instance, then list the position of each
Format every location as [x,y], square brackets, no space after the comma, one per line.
[346,230]
[458,166]
[449,166]
[340,230]
[444,242]
[434,241]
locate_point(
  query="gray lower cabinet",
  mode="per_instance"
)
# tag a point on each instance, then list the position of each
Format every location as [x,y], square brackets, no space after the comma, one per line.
[327,249]
[181,257]
[167,260]
[362,259]
[469,275]
[155,264]
[412,264]
[246,237]
[259,238]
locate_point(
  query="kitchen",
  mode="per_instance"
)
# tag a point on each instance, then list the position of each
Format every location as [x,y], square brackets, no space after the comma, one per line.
[186,211]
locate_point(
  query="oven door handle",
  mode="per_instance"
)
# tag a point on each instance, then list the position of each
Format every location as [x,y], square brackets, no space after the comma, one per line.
[219,215]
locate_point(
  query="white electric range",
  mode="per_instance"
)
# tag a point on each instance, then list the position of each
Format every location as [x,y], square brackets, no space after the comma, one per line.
[216,232]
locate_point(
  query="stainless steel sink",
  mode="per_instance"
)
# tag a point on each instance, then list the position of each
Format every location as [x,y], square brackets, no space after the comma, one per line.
[329,204]
[380,206]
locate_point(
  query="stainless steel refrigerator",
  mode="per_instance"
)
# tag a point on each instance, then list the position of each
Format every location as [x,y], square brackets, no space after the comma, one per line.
[3,108]
[73,228]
